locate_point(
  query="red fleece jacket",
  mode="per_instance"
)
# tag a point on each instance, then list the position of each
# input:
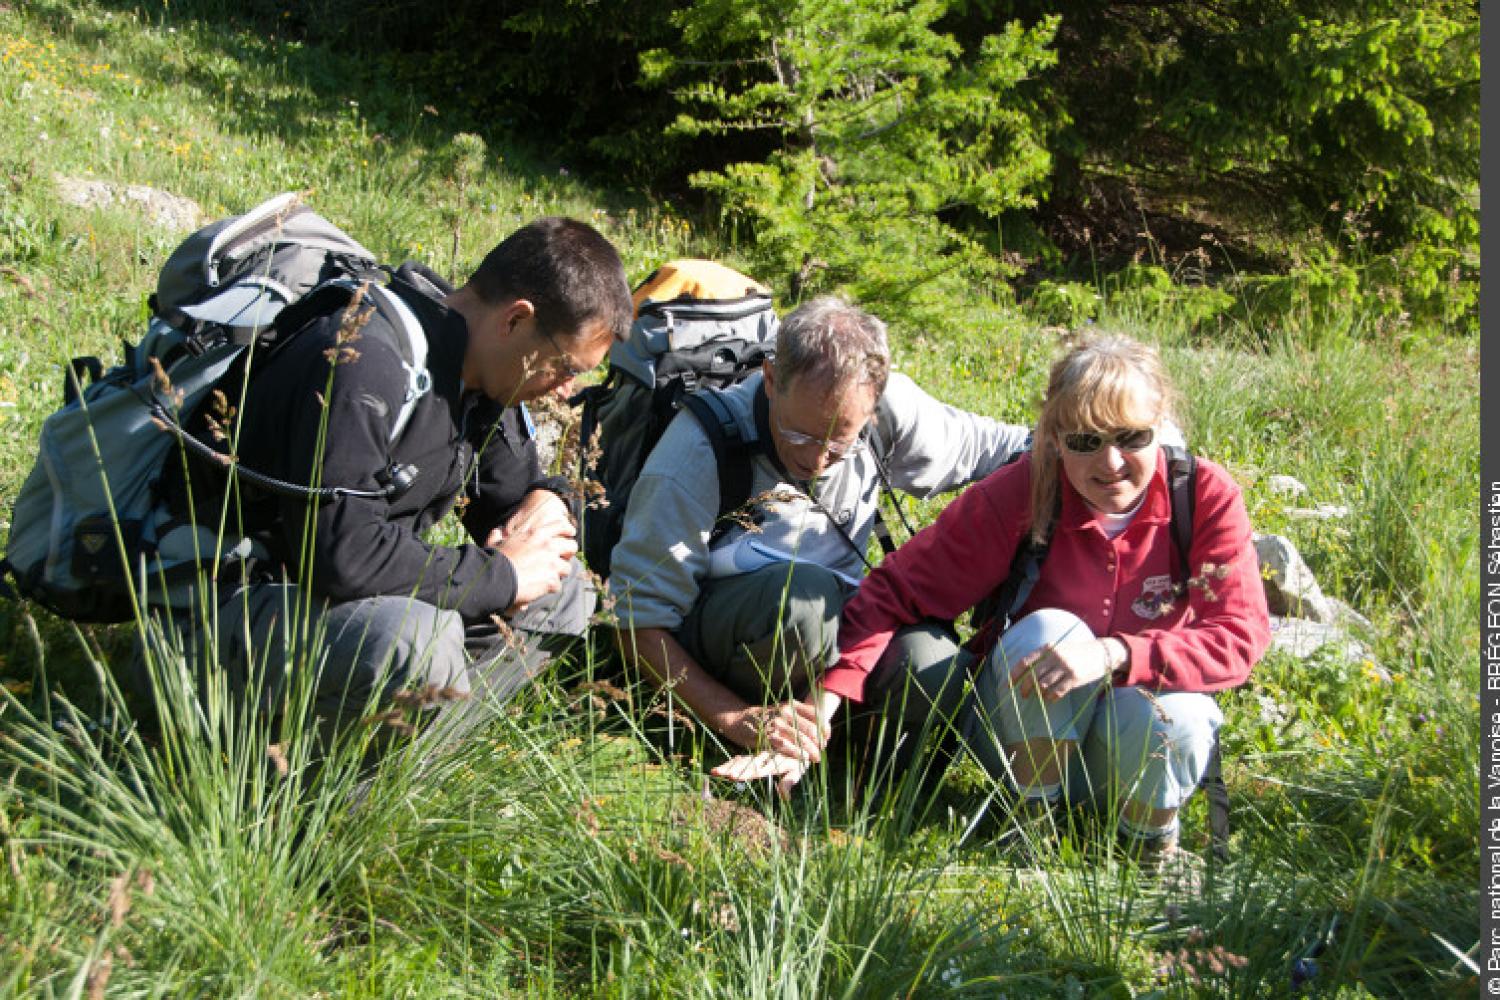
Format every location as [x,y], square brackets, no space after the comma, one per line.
[1204,640]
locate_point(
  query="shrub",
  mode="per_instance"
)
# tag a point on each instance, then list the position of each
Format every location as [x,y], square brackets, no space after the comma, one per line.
[1311,300]
[1146,294]
[1063,303]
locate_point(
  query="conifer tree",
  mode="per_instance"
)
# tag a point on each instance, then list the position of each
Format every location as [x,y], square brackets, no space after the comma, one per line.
[882,137]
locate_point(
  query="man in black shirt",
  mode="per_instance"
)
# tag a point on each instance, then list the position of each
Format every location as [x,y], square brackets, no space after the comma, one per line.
[349,585]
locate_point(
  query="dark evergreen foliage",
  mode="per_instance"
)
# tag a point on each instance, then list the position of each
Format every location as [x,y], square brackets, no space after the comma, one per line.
[884,145]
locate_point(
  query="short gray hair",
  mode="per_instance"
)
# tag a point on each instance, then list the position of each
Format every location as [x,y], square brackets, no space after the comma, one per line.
[833,343]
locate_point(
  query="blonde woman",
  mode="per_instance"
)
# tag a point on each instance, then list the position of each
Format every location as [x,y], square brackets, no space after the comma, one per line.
[1102,685]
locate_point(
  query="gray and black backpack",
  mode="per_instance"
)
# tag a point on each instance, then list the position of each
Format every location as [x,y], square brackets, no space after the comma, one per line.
[92,536]
[699,326]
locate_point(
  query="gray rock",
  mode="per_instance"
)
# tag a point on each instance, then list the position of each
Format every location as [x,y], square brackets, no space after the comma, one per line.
[1286,486]
[167,210]
[552,418]
[1346,617]
[1291,588]
[1322,512]
[548,433]
[1302,638]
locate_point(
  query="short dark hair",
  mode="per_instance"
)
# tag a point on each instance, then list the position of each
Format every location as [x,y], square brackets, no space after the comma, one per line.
[566,269]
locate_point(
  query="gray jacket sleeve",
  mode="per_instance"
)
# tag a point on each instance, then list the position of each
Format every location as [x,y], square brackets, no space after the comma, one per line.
[934,447]
[657,568]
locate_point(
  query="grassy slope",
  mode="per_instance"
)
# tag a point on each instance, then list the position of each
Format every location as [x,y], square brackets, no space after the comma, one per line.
[560,855]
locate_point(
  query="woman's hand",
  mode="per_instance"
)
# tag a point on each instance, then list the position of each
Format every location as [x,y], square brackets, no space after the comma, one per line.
[791,729]
[1054,671]
[796,732]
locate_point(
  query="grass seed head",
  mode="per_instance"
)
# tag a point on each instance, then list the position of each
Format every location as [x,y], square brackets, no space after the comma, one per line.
[277,754]
[159,376]
[98,977]
[119,899]
[675,716]
[605,688]
[427,696]
[394,719]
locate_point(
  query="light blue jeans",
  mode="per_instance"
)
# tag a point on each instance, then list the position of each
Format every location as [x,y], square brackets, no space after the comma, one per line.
[1147,746]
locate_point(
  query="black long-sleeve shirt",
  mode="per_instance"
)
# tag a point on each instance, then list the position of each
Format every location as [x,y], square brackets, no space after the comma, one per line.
[461,443]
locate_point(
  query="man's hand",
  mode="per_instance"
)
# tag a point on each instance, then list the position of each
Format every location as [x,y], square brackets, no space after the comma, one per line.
[540,540]
[786,771]
[1053,671]
[787,768]
[538,507]
[777,736]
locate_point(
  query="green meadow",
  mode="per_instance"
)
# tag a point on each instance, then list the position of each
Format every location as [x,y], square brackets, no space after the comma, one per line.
[576,847]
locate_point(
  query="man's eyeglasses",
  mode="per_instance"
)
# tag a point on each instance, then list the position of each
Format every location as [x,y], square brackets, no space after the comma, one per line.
[833,449]
[564,364]
[1087,442]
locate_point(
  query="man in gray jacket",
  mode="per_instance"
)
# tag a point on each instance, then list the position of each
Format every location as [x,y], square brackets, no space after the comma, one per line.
[738,623]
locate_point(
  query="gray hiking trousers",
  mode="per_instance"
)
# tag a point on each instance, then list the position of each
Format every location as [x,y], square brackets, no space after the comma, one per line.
[363,652]
[766,634]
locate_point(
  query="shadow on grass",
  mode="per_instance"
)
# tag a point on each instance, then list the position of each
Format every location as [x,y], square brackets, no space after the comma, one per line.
[263,79]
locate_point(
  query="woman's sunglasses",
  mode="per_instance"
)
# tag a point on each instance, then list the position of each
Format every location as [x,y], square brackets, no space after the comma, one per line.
[1087,442]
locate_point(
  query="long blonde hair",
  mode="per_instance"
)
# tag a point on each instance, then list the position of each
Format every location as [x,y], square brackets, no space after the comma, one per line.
[1096,386]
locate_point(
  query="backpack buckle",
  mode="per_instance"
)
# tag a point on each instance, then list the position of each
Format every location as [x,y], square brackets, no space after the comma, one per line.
[418,382]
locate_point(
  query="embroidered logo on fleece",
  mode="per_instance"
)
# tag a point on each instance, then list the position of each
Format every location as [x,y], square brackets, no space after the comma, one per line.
[374,402]
[1156,597]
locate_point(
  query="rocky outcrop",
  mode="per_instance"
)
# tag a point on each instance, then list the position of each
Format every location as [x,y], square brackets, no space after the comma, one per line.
[1304,620]
[164,209]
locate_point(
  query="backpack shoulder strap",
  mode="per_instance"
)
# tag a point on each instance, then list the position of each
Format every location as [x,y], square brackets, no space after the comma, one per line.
[1025,568]
[1002,603]
[1182,489]
[411,339]
[731,450]
[414,358]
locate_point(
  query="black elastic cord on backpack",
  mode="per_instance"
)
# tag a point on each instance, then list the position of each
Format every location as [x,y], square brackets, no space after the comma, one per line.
[400,477]
[875,443]
[682,307]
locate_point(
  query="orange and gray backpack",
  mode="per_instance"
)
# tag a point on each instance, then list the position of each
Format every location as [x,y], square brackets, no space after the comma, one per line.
[699,325]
